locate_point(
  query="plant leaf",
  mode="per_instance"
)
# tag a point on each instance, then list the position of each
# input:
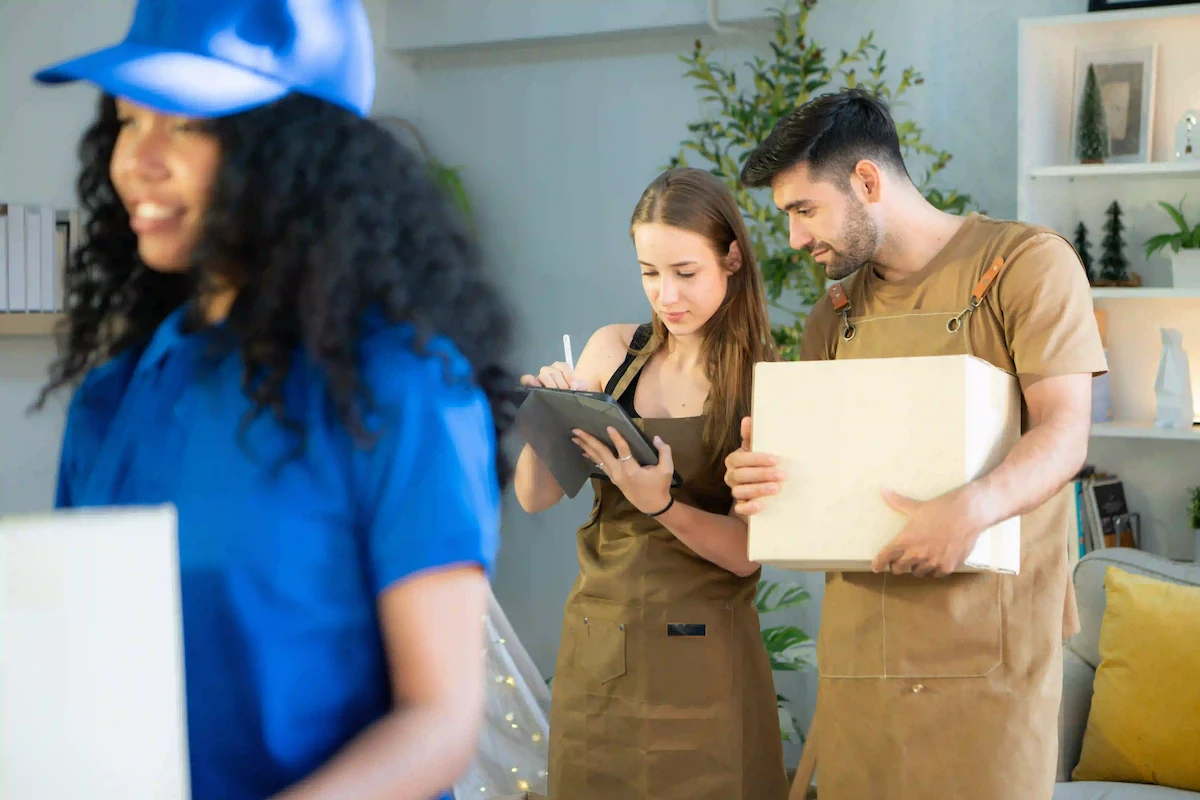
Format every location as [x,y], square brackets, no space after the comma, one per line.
[1177,215]
[1156,243]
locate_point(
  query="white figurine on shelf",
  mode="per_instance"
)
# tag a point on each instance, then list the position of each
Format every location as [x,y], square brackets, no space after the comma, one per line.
[1173,386]
[1187,148]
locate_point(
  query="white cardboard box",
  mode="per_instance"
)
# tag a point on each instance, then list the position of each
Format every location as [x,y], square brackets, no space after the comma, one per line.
[91,657]
[844,430]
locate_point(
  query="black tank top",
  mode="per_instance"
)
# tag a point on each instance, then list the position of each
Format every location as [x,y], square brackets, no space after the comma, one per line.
[640,337]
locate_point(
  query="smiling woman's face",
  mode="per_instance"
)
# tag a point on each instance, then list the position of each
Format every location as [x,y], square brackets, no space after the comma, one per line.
[163,168]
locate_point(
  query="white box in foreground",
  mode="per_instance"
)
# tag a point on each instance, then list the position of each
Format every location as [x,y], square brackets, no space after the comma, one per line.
[91,657]
[844,430]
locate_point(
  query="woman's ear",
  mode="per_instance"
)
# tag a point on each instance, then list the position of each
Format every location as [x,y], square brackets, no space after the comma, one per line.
[733,261]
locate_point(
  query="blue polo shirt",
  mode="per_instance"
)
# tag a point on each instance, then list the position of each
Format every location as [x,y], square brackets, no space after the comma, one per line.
[282,559]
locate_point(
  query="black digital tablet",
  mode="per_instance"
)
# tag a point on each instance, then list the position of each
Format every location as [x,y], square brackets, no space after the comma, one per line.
[547,418]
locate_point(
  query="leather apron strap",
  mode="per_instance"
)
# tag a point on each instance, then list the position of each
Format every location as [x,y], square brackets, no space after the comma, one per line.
[630,373]
[979,292]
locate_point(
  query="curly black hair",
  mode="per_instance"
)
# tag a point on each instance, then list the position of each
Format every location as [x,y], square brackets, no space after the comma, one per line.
[320,218]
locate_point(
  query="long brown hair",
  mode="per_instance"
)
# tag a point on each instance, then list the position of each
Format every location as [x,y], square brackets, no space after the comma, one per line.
[738,334]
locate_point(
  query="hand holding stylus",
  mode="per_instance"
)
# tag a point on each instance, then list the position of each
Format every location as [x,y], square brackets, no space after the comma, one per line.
[559,375]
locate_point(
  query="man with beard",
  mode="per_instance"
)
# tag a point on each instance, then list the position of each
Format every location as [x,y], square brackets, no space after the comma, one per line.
[935,685]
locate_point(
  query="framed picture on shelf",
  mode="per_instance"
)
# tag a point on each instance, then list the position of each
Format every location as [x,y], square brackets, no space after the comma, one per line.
[1126,78]
[1117,5]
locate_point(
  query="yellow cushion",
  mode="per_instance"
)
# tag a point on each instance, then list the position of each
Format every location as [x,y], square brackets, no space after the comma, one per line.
[1144,725]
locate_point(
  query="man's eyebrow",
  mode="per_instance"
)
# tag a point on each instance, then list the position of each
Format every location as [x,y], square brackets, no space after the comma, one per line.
[796,205]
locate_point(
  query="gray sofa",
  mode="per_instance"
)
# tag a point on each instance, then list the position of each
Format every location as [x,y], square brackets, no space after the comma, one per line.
[1079,668]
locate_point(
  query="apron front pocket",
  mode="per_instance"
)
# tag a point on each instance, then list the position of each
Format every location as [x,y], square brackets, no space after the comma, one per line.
[850,637]
[602,654]
[901,626]
[687,664]
[948,627]
[599,640]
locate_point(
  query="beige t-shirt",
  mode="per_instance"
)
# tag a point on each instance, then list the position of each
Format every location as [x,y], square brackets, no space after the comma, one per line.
[1037,320]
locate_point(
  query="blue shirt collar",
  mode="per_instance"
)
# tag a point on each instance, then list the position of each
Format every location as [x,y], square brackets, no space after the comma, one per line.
[172,335]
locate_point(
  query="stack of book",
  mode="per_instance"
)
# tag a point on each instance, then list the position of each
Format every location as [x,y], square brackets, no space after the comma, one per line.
[1101,516]
[34,243]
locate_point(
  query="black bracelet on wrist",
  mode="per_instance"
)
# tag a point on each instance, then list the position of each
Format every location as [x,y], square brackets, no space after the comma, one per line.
[665,509]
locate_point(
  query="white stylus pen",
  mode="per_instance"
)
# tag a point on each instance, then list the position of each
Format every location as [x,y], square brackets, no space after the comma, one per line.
[567,352]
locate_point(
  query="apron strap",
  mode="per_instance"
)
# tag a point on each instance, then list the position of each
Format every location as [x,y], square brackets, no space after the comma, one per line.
[807,765]
[636,365]
[987,279]
[837,294]
[841,305]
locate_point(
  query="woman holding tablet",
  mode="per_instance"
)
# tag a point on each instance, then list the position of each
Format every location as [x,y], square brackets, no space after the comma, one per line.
[662,688]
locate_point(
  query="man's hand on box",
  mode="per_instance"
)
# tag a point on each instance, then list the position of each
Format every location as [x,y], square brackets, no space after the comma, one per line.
[936,540]
[752,476]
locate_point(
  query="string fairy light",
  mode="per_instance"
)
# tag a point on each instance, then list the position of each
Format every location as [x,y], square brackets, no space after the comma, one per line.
[511,766]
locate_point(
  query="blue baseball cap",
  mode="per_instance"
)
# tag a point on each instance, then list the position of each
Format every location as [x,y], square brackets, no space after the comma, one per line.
[210,58]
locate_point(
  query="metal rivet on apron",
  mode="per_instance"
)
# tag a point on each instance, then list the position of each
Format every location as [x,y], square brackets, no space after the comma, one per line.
[585,622]
[621,626]
[849,332]
[917,687]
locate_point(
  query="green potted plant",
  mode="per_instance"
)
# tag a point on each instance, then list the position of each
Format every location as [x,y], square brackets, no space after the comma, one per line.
[1185,247]
[746,102]
[789,648]
[1194,518]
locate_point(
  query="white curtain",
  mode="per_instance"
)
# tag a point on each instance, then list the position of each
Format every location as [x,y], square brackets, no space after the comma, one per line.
[513,748]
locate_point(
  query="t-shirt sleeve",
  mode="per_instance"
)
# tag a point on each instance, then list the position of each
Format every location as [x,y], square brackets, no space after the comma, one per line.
[817,339]
[1046,309]
[428,483]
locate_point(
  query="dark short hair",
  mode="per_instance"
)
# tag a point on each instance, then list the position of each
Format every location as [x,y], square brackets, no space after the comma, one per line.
[830,133]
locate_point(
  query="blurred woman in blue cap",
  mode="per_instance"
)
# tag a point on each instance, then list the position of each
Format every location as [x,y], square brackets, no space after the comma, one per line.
[281,327]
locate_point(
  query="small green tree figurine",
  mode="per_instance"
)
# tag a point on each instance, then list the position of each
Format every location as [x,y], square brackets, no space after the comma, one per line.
[1114,267]
[1091,143]
[1084,249]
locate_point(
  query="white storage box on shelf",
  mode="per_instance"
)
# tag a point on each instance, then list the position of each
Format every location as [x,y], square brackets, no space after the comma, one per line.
[844,430]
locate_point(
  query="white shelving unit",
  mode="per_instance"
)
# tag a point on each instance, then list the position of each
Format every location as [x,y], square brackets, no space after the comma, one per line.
[1143,293]
[1164,169]
[1158,466]
[1143,430]
[29,324]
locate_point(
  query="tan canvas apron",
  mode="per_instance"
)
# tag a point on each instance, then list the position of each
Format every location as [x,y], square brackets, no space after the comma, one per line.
[939,688]
[662,688]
